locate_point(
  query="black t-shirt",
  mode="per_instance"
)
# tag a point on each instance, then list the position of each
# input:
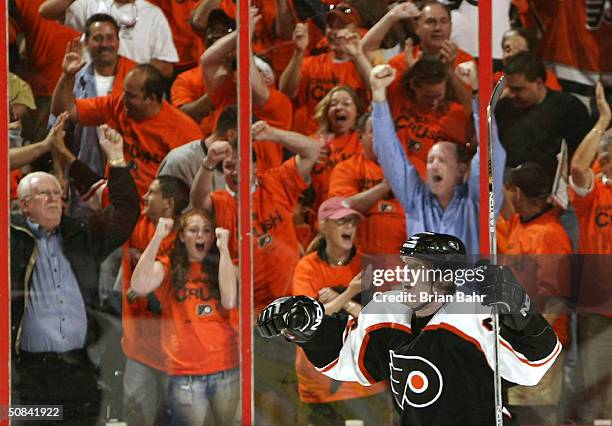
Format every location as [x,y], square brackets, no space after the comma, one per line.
[535,133]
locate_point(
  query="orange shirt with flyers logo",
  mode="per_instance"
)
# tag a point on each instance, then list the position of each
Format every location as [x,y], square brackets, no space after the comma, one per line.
[189,86]
[311,275]
[276,249]
[418,130]
[594,213]
[340,148]
[196,334]
[318,75]
[384,227]
[46,45]
[538,252]
[141,327]
[146,142]
[277,112]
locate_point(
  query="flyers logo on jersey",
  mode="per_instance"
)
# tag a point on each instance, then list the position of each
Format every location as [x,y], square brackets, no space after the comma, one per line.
[414,380]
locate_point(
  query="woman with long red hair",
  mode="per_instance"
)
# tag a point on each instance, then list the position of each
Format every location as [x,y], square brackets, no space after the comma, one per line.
[198,292]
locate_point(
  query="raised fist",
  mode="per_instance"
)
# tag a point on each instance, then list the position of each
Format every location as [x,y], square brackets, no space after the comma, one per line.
[300,37]
[164,227]
[295,317]
[382,76]
[111,142]
[217,152]
[262,131]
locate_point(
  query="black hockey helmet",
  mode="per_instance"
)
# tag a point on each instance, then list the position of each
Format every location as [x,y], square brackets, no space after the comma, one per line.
[445,252]
[430,244]
[442,249]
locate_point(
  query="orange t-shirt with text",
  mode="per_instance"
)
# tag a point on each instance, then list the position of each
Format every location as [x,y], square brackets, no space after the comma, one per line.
[340,148]
[418,130]
[275,245]
[311,275]
[145,142]
[318,75]
[141,327]
[384,227]
[538,252]
[594,214]
[277,112]
[196,333]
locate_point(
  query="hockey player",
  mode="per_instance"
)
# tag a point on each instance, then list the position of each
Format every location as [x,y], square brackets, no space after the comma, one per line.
[439,365]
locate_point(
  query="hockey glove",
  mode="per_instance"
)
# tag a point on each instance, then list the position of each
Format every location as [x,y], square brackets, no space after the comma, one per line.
[295,317]
[501,288]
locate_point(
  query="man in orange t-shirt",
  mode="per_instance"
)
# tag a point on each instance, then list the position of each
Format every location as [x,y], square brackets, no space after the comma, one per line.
[307,80]
[360,179]
[273,107]
[269,104]
[433,26]
[150,126]
[188,92]
[538,251]
[591,196]
[271,33]
[144,377]
[274,200]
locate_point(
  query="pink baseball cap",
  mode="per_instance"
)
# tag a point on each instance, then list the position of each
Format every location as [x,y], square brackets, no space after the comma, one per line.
[336,208]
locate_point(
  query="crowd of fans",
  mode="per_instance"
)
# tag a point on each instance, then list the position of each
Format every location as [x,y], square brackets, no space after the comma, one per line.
[124,186]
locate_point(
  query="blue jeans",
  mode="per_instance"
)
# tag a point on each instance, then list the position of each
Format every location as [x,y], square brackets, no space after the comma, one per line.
[212,399]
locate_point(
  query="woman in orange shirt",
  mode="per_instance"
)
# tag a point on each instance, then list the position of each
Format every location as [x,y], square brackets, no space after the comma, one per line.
[330,272]
[337,115]
[198,291]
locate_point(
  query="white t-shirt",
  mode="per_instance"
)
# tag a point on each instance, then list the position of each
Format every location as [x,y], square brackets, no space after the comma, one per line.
[144,34]
[465,25]
[104,84]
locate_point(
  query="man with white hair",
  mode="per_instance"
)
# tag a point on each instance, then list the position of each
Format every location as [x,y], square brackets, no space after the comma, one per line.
[54,265]
[448,201]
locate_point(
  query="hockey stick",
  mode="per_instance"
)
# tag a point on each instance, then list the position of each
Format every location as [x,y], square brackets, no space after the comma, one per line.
[497,91]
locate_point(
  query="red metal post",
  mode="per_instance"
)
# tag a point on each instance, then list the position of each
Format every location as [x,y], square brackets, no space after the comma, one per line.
[485,71]
[244,215]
